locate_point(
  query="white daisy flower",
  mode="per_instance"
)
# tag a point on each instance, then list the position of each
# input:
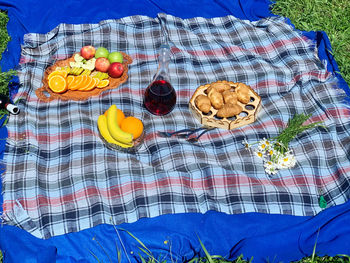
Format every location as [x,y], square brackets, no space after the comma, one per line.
[264,145]
[260,154]
[271,151]
[246,144]
[270,168]
[293,161]
[269,164]
[286,161]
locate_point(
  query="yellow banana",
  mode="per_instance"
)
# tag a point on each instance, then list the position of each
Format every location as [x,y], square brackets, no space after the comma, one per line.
[102,127]
[114,129]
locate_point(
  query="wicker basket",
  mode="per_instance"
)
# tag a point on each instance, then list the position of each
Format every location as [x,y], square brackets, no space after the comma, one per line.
[247,116]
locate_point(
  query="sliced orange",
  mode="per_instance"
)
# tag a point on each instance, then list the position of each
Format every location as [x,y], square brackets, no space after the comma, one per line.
[97,81]
[103,83]
[86,83]
[58,84]
[70,79]
[77,83]
[60,72]
[92,84]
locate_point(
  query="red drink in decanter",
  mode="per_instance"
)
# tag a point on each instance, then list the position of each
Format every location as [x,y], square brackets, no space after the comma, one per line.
[160,96]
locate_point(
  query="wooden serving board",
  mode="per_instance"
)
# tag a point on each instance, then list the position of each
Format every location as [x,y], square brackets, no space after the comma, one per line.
[46,94]
[247,116]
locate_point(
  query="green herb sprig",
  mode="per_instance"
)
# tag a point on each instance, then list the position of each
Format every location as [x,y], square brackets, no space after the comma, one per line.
[294,127]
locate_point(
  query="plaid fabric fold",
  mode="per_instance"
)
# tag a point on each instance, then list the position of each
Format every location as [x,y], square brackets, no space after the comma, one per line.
[60,177]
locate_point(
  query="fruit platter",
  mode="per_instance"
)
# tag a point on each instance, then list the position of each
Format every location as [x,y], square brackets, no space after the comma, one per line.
[225,104]
[86,73]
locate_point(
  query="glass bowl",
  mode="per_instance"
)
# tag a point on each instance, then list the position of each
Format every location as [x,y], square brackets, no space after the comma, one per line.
[137,144]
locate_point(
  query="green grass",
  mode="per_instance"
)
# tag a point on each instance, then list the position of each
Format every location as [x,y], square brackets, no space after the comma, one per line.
[5,77]
[331,16]
[4,37]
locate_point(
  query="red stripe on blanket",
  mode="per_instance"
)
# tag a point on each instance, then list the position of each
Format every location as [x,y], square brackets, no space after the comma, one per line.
[208,183]
[43,138]
[232,49]
[320,75]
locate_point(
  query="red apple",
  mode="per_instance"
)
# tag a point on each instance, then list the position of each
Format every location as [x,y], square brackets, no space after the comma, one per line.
[88,52]
[102,64]
[115,70]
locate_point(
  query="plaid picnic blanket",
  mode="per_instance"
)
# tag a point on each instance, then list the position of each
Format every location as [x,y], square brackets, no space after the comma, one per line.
[60,177]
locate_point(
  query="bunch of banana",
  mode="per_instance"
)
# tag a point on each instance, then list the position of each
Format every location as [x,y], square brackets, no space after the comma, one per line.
[111,131]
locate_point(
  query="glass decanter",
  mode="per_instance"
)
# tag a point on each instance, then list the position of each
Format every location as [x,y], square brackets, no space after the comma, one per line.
[160,96]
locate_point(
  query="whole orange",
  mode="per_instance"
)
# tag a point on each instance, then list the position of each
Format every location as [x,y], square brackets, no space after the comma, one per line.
[132,125]
[120,116]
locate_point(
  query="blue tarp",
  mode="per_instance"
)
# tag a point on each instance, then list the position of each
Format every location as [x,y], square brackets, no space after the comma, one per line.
[265,237]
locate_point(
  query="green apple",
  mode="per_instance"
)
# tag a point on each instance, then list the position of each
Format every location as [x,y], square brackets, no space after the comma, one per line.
[115,57]
[101,52]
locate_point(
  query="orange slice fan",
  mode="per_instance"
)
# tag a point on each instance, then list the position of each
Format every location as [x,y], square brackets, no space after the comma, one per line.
[89,80]
[91,85]
[77,83]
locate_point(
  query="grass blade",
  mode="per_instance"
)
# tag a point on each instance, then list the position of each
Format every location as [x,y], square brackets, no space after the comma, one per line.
[121,242]
[142,259]
[102,249]
[205,251]
[94,256]
[138,240]
[149,254]
[314,250]
[344,256]
[119,253]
